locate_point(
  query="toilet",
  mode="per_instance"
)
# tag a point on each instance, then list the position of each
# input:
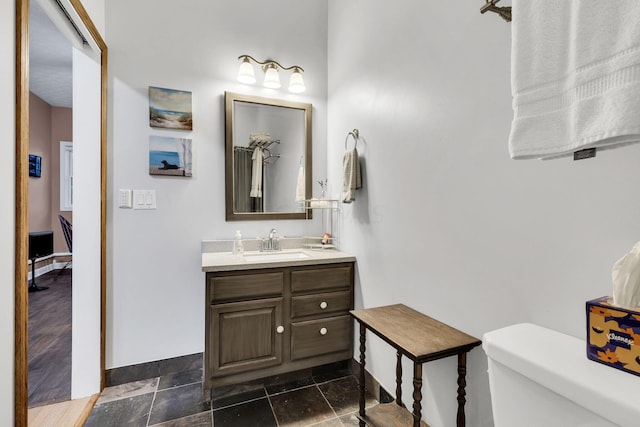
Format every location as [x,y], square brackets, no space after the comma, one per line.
[540,377]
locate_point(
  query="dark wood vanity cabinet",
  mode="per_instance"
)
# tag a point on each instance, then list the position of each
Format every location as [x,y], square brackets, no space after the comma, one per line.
[275,320]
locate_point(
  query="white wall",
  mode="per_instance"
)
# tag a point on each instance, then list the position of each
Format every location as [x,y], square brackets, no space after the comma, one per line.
[7,209]
[155,302]
[85,354]
[446,223]
[96,10]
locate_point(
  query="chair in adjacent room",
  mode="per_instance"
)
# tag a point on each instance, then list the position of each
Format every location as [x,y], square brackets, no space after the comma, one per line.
[40,245]
[67,231]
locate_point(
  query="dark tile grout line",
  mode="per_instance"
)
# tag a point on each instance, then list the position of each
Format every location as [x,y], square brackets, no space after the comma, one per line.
[266,396]
[155,393]
[272,410]
[328,403]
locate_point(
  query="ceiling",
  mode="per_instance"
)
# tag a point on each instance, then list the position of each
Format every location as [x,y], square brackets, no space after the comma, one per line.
[50,60]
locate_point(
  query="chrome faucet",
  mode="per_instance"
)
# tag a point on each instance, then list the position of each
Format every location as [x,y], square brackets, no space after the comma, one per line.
[272,243]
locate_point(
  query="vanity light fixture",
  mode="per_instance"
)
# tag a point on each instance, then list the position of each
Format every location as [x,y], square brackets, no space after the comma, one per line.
[271,77]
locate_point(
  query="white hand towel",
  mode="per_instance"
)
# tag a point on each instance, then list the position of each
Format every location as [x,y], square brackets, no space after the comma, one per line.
[300,187]
[575,76]
[351,175]
[256,173]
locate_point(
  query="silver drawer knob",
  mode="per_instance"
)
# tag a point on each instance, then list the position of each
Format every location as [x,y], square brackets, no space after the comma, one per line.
[280,329]
[323,331]
[323,305]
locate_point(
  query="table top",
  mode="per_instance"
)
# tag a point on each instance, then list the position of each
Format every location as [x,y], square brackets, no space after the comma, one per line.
[417,336]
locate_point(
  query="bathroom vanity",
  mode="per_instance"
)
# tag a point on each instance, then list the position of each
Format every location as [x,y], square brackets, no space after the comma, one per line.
[272,313]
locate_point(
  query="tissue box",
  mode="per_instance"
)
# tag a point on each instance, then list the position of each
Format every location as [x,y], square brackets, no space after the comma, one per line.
[613,335]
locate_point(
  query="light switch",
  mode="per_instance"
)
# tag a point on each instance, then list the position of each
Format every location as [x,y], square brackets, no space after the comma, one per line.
[125,199]
[144,199]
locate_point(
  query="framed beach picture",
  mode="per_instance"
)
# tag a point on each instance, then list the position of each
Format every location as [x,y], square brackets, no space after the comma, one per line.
[169,108]
[169,156]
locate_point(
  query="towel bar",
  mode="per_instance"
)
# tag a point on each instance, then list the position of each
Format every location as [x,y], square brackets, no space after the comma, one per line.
[504,11]
[356,135]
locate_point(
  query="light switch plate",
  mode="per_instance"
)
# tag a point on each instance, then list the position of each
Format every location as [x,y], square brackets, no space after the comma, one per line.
[144,199]
[125,199]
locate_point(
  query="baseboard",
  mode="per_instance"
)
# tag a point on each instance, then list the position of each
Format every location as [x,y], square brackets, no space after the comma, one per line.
[56,261]
[157,368]
[371,383]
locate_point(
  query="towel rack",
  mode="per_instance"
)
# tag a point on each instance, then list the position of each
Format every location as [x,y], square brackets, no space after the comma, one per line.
[356,135]
[264,144]
[270,156]
[503,11]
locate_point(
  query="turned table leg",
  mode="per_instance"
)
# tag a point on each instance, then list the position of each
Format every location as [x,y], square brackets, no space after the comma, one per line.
[417,393]
[361,385]
[462,371]
[399,380]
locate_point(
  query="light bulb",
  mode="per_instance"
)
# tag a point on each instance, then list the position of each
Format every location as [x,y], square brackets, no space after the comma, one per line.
[296,83]
[271,78]
[245,73]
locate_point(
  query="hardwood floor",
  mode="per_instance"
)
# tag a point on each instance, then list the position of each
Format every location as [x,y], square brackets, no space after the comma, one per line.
[70,413]
[50,340]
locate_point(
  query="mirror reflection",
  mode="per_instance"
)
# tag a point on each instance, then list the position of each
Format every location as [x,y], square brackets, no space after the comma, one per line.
[268,157]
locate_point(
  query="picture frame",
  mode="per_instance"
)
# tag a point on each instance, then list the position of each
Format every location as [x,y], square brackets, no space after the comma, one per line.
[35,166]
[170,108]
[170,156]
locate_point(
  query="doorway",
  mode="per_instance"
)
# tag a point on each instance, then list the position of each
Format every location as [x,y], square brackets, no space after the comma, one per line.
[90,57]
[50,292]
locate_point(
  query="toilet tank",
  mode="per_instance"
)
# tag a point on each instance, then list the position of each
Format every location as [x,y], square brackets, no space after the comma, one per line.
[540,377]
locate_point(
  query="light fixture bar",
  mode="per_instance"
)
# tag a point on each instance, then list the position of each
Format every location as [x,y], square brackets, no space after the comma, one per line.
[270,68]
[269,61]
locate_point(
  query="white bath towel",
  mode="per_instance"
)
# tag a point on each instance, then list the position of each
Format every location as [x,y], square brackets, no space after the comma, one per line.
[300,187]
[256,173]
[575,76]
[351,175]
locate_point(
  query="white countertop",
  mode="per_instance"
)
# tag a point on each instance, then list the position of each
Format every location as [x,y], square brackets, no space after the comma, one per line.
[227,261]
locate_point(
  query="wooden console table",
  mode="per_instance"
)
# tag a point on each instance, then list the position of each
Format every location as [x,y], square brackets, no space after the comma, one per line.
[421,339]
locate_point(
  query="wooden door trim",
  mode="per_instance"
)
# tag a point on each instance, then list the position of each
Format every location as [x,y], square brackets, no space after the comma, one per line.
[21,393]
[21,364]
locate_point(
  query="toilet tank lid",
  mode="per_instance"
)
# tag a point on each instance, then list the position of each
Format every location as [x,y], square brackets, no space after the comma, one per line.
[559,362]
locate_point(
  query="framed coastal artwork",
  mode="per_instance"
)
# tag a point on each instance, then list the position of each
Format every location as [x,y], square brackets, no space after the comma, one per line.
[169,108]
[169,156]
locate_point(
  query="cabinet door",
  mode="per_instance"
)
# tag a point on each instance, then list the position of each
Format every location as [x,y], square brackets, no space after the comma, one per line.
[244,336]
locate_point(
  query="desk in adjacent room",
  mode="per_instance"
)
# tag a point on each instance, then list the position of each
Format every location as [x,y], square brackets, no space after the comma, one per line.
[421,339]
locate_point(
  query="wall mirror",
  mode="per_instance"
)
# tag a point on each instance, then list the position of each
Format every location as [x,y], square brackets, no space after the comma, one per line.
[267,158]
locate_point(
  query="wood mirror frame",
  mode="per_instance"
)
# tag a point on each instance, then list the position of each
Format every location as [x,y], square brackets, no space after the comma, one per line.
[229,100]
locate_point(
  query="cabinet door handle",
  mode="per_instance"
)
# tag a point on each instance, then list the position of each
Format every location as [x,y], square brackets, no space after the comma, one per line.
[280,329]
[323,331]
[323,305]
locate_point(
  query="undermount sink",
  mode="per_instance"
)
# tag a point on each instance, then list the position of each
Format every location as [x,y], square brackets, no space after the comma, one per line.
[275,256]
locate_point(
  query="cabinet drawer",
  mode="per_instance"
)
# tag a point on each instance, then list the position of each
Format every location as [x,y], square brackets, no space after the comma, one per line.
[322,278]
[330,302]
[307,338]
[245,286]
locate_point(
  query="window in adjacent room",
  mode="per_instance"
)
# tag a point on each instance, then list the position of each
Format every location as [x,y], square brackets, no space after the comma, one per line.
[66,176]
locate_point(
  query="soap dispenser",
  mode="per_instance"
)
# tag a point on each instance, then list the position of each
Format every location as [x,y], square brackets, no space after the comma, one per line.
[238,248]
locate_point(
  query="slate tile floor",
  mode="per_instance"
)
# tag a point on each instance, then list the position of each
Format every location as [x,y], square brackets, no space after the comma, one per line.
[322,399]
